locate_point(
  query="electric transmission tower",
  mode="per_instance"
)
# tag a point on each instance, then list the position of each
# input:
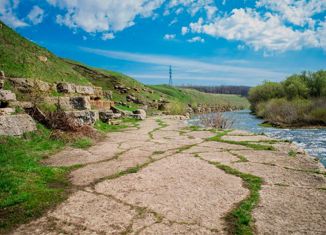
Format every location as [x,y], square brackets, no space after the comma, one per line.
[170,79]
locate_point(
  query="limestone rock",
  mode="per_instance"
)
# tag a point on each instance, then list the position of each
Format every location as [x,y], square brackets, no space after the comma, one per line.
[42,86]
[14,125]
[98,93]
[101,104]
[85,90]
[22,84]
[85,117]
[6,111]
[139,114]
[70,103]
[6,95]
[80,102]
[2,74]
[106,116]
[66,87]
[2,83]
[43,58]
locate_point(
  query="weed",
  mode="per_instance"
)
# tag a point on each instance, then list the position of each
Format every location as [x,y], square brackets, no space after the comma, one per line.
[83,143]
[28,188]
[292,153]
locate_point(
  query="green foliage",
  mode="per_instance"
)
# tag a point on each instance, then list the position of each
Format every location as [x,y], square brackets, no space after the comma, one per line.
[264,92]
[106,128]
[27,187]
[82,143]
[299,100]
[240,219]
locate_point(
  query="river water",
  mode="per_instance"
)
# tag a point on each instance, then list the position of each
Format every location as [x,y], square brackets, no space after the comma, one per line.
[312,140]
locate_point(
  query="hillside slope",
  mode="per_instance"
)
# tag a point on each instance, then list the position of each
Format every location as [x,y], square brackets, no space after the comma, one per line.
[23,58]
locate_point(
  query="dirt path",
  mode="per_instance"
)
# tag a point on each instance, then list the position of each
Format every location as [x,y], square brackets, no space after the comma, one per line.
[165,178]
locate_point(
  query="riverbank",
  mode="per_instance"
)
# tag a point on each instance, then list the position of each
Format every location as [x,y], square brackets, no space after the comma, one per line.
[164,177]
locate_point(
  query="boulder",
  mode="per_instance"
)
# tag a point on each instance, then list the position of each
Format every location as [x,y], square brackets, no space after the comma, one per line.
[2,75]
[64,87]
[80,102]
[42,86]
[22,84]
[2,83]
[15,125]
[85,90]
[139,114]
[85,117]
[6,95]
[101,104]
[70,103]
[106,116]
[6,111]
[98,93]
[43,58]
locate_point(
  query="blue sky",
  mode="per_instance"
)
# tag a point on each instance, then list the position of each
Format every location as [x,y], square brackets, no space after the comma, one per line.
[221,42]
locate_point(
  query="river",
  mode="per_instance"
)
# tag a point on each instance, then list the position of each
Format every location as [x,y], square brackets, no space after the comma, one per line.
[312,140]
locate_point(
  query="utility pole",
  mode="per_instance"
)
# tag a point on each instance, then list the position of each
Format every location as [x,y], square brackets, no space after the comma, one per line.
[170,73]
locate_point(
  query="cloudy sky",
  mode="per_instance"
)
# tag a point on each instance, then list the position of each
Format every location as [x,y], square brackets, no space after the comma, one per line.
[211,42]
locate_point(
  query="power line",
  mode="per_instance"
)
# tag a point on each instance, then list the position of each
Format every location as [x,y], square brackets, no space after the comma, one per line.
[170,79]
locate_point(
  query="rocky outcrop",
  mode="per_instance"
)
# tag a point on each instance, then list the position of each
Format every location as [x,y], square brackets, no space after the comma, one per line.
[14,125]
[139,114]
[6,96]
[85,117]
[106,116]
[70,103]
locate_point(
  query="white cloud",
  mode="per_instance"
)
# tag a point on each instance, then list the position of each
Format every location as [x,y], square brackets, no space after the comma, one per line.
[189,65]
[103,16]
[184,30]
[297,12]
[36,15]
[260,32]
[169,36]
[108,36]
[8,15]
[196,39]
[193,7]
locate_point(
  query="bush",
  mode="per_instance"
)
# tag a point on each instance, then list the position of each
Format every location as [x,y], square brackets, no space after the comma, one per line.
[216,120]
[264,92]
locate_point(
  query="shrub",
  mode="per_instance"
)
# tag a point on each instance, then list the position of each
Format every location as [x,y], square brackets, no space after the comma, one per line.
[216,120]
[264,92]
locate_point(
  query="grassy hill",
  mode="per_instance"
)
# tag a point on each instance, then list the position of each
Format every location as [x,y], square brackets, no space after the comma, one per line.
[23,58]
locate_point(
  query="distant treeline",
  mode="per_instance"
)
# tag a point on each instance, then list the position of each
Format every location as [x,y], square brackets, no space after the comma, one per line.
[236,90]
[300,100]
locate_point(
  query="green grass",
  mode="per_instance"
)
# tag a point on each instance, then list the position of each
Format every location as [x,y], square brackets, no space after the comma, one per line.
[240,219]
[82,143]
[28,188]
[255,146]
[292,153]
[193,97]
[106,128]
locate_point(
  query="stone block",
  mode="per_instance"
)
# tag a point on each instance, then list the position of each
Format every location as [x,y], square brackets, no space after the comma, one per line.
[64,87]
[106,116]
[6,95]
[15,125]
[22,84]
[85,90]
[6,111]
[101,104]
[70,103]
[139,114]
[42,86]
[85,117]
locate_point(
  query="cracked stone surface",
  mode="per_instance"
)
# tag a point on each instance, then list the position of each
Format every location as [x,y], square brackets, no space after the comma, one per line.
[158,180]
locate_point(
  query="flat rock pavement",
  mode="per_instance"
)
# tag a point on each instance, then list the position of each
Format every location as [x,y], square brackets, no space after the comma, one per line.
[163,179]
